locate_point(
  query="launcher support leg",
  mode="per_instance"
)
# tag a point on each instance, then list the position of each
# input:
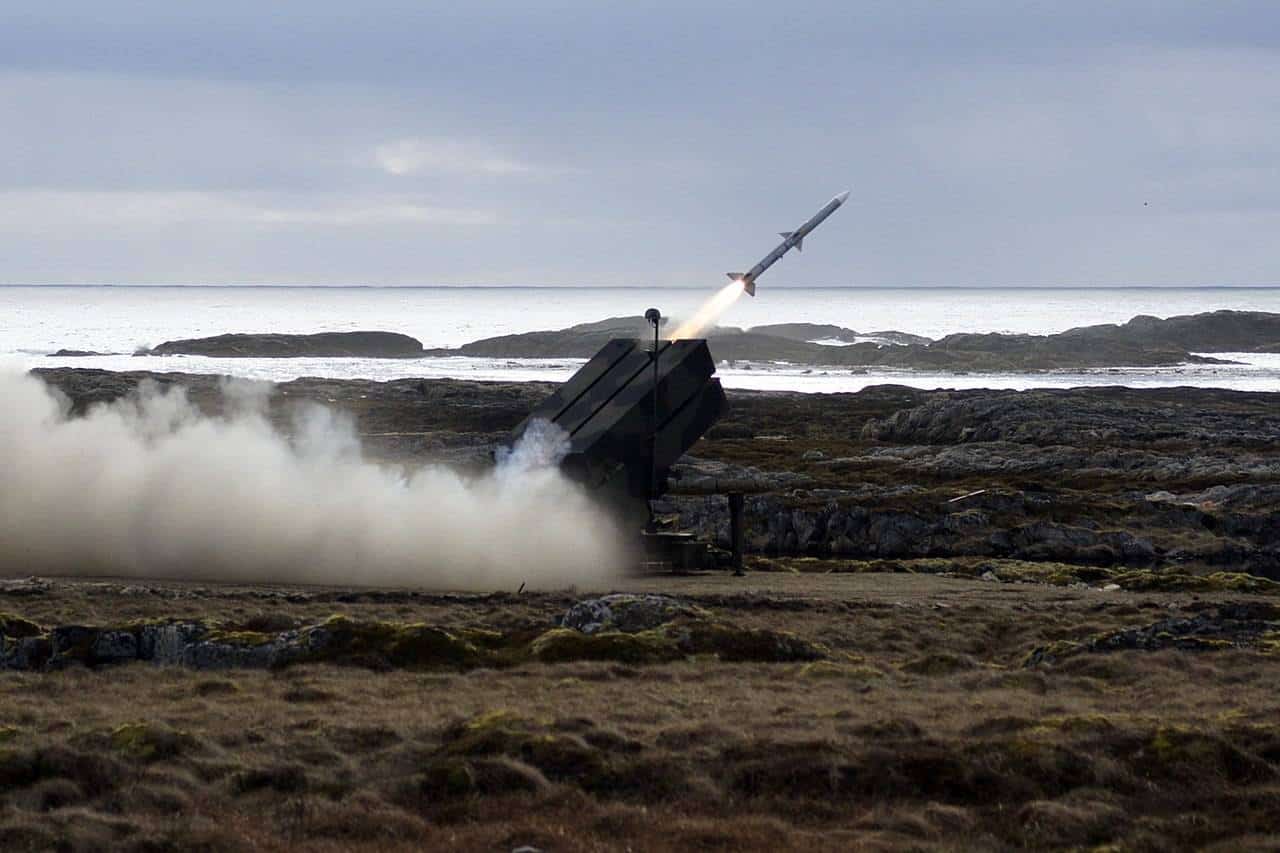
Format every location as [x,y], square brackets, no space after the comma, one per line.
[737,531]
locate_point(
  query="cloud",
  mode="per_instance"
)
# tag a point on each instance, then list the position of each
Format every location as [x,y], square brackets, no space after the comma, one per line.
[43,210]
[986,142]
[443,156]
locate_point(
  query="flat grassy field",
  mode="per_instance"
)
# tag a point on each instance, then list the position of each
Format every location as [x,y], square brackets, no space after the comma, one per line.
[832,709]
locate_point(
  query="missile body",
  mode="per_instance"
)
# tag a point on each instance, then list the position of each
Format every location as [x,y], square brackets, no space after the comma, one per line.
[790,239]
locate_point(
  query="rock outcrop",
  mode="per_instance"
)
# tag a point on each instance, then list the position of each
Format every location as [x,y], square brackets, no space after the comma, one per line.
[675,631]
[1214,331]
[1248,625]
[320,345]
[1142,342]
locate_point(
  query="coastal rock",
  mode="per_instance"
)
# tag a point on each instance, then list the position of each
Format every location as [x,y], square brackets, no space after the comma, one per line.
[1142,342]
[809,332]
[1214,331]
[323,344]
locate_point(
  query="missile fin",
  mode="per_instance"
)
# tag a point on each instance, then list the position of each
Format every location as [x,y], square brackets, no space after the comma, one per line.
[785,235]
[736,275]
[750,288]
[800,245]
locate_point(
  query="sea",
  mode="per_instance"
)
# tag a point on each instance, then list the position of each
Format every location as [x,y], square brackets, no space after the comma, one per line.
[36,321]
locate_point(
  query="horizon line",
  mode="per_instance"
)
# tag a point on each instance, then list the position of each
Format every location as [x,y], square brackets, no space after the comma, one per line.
[301,286]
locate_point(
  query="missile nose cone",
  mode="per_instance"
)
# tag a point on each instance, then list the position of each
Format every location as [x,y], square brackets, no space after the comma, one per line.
[844,195]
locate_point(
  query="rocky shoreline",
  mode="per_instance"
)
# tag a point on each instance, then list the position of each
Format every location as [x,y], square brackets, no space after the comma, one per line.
[1142,342]
[1177,479]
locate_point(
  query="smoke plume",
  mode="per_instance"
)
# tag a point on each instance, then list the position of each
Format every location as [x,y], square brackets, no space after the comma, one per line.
[149,487]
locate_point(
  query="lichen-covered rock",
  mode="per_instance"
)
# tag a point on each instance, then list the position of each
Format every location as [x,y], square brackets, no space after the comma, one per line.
[167,643]
[633,628]
[25,653]
[71,644]
[626,612]
[114,647]
[684,630]
[209,654]
[1227,626]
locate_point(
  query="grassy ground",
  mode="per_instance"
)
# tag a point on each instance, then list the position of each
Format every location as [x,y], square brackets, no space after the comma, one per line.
[921,728]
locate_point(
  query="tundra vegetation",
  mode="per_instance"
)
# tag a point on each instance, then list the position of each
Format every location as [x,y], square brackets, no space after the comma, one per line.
[789,710]
[1080,653]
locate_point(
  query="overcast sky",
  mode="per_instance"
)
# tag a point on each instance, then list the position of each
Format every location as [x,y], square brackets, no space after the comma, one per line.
[986,142]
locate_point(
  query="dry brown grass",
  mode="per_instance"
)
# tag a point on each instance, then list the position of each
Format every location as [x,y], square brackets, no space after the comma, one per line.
[923,731]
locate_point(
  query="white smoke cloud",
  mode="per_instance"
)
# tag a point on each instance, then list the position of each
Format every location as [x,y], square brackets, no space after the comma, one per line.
[149,487]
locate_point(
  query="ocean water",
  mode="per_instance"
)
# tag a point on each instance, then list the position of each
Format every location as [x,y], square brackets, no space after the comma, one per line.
[36,321]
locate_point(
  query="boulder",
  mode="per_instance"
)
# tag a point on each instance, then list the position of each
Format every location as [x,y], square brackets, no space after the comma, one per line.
[626,612]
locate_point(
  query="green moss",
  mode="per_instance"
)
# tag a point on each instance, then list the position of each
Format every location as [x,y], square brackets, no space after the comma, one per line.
[1081,723]
[239,638]
[1052,573]
[755,563]
[502,733]
[1269,643]
[1053,652]
[482,637]
[491,719]
[564,644]
[1174,745]
[494,733]
[422,645]
[822,669]
[413,645]
[1241,582]
[1149,581]
[150,742]
[744,645]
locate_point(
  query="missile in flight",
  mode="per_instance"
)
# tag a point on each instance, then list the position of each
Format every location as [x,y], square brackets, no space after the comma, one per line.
[790,239]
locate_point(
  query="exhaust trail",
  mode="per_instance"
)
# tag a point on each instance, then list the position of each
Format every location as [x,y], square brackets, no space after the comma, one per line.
[711,311]
[149,487]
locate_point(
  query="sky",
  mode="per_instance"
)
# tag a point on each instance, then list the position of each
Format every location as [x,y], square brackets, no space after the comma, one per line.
[985,142]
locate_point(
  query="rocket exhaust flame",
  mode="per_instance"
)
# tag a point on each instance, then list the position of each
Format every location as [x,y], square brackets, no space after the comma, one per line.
[710,311]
